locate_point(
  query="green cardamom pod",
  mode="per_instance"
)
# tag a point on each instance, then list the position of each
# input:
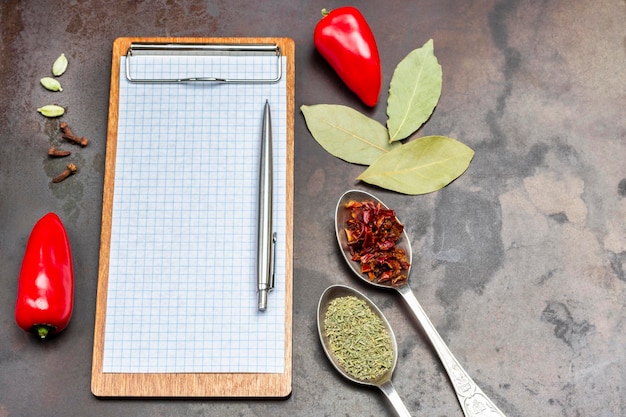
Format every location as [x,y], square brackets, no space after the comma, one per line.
[51,110]
[59,66]
[51,84]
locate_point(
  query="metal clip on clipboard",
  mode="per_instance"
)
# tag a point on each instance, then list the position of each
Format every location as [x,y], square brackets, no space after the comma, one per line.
[137,49]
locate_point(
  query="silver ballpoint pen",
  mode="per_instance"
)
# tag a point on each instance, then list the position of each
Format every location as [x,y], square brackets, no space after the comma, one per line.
[265,238]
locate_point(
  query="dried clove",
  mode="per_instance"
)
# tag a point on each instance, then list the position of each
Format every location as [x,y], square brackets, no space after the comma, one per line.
[70,136]
[58,153]
[70,169]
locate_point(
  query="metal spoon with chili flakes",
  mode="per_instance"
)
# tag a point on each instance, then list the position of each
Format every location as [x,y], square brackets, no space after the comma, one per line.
[473,400]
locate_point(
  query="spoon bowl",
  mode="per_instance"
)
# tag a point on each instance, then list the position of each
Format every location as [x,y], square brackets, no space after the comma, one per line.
[341,217]
[472,399]
[383,382]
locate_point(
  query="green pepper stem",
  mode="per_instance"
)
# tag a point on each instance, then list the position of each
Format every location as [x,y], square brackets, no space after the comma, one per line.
[43,330]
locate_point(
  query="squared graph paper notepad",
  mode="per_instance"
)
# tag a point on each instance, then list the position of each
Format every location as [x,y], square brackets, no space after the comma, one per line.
[176,310]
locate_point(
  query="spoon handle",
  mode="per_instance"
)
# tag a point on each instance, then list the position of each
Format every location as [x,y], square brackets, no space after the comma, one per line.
[473,400]
[392,395]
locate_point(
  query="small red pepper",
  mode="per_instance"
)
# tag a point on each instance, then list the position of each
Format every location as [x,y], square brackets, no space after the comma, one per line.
[346,41]
[45,292]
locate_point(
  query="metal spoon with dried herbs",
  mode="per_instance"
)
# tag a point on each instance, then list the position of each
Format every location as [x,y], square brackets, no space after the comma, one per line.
[359,341]
[358,338]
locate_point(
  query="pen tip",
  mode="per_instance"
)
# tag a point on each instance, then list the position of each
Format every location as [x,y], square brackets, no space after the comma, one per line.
[262,300]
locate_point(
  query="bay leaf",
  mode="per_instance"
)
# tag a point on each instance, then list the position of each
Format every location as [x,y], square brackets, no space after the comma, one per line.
[414,92]
[346,133]
[420,166]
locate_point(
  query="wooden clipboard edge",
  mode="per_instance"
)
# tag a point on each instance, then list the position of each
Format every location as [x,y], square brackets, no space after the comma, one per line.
[241,385]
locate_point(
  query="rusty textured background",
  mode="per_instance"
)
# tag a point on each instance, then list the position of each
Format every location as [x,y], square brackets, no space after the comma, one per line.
[520,263]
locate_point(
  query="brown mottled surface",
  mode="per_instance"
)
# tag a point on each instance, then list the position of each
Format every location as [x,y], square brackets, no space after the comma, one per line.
[520,263]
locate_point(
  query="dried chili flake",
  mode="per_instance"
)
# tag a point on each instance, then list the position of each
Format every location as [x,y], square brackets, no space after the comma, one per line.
[372,231]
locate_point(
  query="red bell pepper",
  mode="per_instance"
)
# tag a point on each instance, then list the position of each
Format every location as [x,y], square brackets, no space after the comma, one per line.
[45,292]
[346,41]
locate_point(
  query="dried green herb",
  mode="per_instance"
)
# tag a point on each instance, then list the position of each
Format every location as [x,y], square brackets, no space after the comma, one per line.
[51,110]
[358,338]
[414,92]
[59,66]
[417,167]
[421,166]
[51,84]
[346,133]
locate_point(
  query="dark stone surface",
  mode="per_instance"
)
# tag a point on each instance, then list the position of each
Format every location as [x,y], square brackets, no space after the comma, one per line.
[519,263]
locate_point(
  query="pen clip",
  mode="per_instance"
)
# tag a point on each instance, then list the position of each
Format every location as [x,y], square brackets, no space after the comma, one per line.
[273,264]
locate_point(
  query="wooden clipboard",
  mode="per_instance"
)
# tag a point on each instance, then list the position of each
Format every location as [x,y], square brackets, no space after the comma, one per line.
[243,385]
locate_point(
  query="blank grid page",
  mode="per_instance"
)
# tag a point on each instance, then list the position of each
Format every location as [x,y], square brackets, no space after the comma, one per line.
[182,273]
